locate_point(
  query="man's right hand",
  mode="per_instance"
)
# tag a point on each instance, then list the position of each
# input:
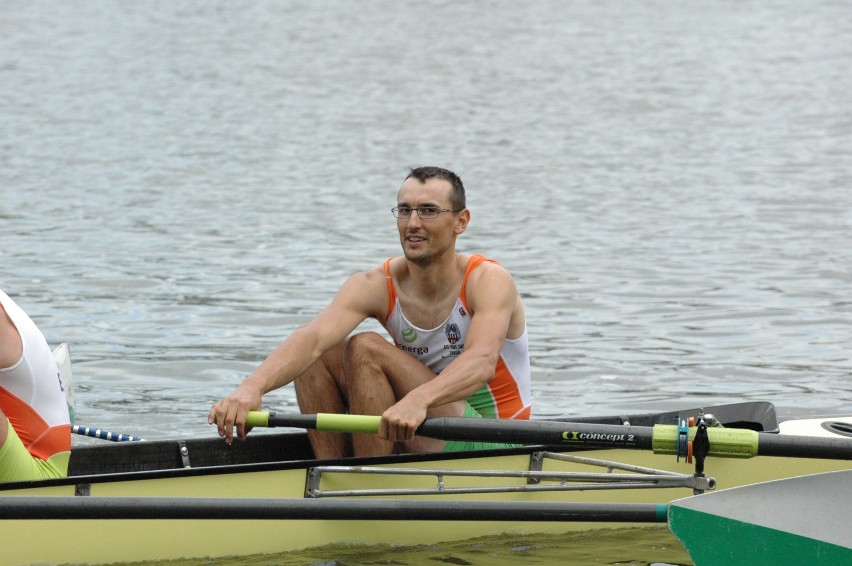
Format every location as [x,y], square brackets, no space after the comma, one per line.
[231,411]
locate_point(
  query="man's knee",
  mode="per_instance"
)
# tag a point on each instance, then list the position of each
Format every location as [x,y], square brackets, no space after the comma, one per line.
[365,347]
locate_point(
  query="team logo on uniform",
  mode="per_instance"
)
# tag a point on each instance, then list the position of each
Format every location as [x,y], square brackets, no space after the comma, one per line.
[453,333]
[409,335]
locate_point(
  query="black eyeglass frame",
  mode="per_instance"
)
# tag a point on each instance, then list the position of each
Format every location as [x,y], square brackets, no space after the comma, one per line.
[431,212]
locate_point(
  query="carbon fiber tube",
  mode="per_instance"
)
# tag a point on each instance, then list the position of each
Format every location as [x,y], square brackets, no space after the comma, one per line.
[64,507]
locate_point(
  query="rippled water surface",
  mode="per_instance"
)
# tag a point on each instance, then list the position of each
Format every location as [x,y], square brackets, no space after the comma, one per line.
[184,183]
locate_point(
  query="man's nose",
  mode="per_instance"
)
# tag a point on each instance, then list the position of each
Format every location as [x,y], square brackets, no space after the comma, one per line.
[414,218]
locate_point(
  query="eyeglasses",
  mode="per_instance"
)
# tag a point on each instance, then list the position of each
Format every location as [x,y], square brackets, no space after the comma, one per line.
[424,212]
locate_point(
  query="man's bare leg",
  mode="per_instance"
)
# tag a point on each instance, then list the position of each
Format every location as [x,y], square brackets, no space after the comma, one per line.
[325,388]
[318,391]
[378,374]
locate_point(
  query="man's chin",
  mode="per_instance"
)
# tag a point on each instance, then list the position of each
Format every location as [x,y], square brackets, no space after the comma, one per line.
[417,257]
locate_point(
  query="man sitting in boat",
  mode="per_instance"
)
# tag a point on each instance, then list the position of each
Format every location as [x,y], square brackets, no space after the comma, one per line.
[460,345]
[35,427]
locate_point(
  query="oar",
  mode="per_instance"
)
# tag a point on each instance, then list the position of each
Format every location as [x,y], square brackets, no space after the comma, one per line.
[662,439]
[66,507]
[104,435]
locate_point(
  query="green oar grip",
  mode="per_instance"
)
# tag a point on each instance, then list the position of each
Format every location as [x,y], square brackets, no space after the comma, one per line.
[348,423]
[257,418]
[724,442]
[325,422]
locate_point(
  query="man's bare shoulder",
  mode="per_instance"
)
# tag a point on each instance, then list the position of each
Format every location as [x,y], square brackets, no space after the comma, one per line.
[367,291]
[493,291]
[490,281]
[373,277]
[491,271]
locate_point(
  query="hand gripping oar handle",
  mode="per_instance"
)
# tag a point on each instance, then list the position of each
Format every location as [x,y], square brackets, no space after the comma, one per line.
[662,439]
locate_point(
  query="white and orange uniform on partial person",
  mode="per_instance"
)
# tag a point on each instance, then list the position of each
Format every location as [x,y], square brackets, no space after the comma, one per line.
[38,444]
[508,395]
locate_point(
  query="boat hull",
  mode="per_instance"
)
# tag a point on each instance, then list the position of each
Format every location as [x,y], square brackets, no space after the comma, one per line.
[279,468]
[144,539]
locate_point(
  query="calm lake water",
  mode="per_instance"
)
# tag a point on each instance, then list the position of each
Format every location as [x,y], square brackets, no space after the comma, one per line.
[184,183]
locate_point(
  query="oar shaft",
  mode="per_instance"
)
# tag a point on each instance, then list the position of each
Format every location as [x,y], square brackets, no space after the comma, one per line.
[63,507]
[805,447]
[724,442]
[477,430]
[662,439]
[103,434]
[536,432]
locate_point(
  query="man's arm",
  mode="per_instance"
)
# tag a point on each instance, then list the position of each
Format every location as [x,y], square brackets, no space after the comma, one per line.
[493,298]
[362,296]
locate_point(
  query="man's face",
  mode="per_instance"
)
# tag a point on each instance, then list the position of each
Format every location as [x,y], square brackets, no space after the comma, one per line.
[424,239]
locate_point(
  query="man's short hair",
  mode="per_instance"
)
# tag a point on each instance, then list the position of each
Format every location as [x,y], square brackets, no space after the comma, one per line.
[457,196]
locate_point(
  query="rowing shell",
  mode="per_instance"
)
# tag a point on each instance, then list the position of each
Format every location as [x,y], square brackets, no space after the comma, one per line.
[174,499]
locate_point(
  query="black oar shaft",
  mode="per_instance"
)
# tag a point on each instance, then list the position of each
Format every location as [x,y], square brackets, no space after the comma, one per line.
[805,447]
[663,439]
[481,430]
[536,432]
[62,507]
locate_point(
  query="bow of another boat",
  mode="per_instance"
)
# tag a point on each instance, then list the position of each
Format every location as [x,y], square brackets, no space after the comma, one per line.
[800,521]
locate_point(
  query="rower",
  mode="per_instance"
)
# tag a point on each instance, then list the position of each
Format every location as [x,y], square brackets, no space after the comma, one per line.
[35,426]
[459,338]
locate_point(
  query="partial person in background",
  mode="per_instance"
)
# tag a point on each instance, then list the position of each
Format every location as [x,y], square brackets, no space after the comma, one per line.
[35,427]
[458,327]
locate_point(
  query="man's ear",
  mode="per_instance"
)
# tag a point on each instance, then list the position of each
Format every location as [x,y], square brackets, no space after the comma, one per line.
[462,221]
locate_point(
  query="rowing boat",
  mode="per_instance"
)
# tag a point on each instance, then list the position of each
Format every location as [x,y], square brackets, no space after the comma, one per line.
[270,495]
[795,521]
[159,500]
